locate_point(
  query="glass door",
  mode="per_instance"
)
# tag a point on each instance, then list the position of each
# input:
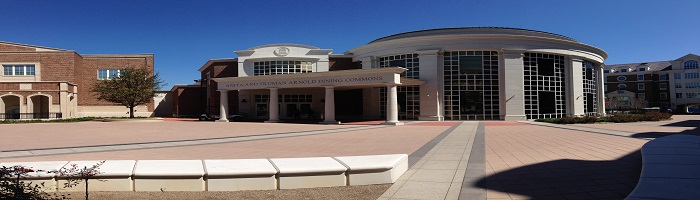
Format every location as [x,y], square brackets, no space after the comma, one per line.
[261,110]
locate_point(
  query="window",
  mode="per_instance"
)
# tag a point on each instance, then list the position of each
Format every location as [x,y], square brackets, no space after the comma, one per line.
[663,86]
[679,95]
[640,77]
[471,65]
[691,64]
[607,71]
[663,77]
[621,87]
[678,85]
[692,75]
[281,67]
[663,96]
[677,76]
[408,61]
[621,78]
[641,96]
[642,69]
[692,95]
[605,88]
[19,70]
[692,85]
[624,70]
[105,74]
[640,86]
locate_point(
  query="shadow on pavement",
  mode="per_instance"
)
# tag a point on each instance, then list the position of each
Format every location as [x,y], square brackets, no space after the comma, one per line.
[570,179]
[686,123]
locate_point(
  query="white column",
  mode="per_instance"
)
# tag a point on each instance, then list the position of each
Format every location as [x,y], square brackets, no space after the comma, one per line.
[63,100]
[574,90]
[430,92]
[392,106]
[512,79]
[600,89]
[274,106]
[223,106]
[329,109]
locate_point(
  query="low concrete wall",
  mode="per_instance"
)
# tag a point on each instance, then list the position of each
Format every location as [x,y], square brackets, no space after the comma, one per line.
[227,175]
[112,111]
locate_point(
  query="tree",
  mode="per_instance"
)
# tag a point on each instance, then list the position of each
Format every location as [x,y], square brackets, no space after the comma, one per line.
[131,87]
[637,103]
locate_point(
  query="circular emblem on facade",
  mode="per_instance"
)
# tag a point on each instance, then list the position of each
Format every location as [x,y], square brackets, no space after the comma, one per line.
[282,51]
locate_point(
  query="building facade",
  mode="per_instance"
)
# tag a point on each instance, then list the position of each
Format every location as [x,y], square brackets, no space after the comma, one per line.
[41,82]
[481,73]
[673,84]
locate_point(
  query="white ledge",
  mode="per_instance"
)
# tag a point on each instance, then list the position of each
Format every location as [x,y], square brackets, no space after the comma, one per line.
[308,165]
[240,167]
[372,162]
[173,168]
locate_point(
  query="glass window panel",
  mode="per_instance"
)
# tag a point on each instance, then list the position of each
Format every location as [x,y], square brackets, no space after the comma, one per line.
[19,70]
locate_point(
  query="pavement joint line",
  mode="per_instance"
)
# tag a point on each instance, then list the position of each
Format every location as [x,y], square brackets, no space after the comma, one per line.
[476,164]
[206,141]
[591,130]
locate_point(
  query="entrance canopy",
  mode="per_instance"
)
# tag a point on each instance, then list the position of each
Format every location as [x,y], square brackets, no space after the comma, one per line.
[345,78]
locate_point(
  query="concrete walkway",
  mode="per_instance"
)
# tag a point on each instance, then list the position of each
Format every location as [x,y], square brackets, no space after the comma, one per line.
[441,172]
[175,143]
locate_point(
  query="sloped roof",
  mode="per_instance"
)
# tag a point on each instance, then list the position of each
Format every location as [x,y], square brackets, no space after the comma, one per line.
[651,66]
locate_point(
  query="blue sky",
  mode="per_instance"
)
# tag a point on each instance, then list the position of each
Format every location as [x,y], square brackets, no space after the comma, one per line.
[183,35]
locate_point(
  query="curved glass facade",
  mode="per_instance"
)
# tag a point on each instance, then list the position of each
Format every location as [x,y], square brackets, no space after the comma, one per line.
[544,80]
[408,96]
[471,85]
[590,89]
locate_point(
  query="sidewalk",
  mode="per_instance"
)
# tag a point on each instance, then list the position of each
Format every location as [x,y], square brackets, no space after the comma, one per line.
[447,170]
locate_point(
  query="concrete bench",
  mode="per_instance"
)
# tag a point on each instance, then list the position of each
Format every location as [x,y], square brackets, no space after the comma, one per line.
[48,179]
[240,174]
[309,172]
[374,169]
[116,175]
[670,169]
[169,175]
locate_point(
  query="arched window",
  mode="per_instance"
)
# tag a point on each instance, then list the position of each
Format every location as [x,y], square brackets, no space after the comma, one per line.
[621,87]
[691,64]
[621,78]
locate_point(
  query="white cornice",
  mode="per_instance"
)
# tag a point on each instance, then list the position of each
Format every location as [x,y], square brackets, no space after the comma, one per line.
[480,38]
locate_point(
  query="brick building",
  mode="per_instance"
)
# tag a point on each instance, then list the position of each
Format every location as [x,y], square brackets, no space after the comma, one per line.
[42,82]
[673,84]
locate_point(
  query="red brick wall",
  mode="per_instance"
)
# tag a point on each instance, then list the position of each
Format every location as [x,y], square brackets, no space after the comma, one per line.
[54,66]
[221,70]
[51,89]
[187,101]
[88,76]
[335,64]
[13,48]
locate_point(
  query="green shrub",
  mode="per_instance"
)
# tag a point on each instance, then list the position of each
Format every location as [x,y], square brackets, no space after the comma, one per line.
[82,119]
[657,116]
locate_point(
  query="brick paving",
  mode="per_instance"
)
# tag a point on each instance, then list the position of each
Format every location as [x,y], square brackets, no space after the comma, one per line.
[536,162]
[35,136]
[386,140]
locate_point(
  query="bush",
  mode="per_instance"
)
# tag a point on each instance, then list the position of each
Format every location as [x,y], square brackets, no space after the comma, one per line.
[616,118]
[12,186]
[657,116]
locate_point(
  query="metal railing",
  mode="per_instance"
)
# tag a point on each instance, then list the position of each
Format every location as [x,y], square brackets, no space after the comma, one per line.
[23,116]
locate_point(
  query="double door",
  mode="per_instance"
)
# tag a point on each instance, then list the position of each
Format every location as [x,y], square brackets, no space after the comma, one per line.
[299,111]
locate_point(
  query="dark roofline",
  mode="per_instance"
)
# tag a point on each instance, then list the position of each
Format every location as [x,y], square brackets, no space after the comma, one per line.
[457,28]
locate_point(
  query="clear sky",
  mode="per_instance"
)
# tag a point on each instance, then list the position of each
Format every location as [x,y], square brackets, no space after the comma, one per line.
[183,34]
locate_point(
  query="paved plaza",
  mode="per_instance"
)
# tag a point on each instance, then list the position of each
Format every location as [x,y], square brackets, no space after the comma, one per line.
[450,160]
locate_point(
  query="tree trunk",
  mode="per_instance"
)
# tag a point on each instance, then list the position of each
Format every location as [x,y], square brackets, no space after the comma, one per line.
[86,188]
[131,112]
